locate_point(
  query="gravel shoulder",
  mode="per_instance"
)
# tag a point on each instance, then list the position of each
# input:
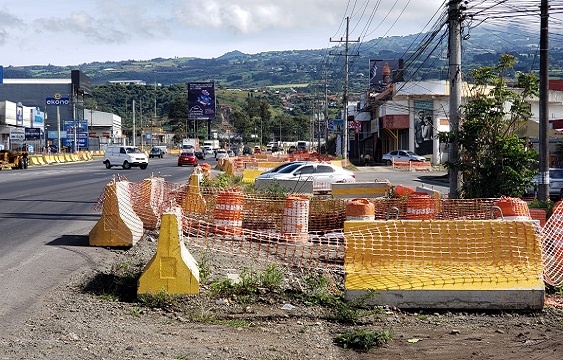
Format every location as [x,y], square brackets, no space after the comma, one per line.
[95,315]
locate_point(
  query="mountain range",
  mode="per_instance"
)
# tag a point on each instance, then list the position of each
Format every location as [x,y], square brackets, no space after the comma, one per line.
[423,58]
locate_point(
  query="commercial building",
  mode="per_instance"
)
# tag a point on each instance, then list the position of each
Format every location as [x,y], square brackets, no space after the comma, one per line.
[60,103]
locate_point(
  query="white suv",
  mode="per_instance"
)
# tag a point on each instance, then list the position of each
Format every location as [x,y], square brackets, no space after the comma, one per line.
[125,156]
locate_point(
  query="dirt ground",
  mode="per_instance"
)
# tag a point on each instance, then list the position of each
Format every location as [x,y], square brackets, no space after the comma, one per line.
[96,315]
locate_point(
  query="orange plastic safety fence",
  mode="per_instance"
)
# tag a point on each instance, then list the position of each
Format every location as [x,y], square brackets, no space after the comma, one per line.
[266,226]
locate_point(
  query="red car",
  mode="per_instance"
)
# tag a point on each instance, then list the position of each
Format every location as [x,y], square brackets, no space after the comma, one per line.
[187,158]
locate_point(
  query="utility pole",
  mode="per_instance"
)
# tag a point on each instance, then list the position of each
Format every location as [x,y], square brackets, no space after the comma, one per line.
[326,112]
[454,15]
[543,183]
[345,96]
[134,129]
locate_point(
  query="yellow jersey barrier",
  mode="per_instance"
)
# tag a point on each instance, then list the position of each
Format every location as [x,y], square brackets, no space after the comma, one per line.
[450,263]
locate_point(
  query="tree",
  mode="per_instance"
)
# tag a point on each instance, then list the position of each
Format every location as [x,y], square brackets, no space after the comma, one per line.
[493,160]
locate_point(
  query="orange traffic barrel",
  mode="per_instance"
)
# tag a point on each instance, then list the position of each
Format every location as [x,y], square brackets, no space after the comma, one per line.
[360,210]
[421,206]
[295,220]
[401,190]
[227,216]
[513,208]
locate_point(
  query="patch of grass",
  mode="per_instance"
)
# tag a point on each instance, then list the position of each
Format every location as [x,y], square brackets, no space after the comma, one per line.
[161,300]
[272,277]
[244,290]
[205,316]
[136,311]
[363,340]
[237,323]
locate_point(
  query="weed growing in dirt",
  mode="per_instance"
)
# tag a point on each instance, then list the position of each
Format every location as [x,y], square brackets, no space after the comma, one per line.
[248,284]
[203,315]
[272,277]
[204,268]
[363,340]
[136,311]
[161,300]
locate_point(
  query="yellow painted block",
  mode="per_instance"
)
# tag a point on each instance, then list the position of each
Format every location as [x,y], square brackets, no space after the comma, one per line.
[192,200]
[34,160]
[249,175]
[119,226]
[442,255]
[172,268]
[359,189]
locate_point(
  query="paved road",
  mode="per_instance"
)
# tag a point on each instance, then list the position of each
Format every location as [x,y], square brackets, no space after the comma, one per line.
[433,180]
[46,214]
[45,217]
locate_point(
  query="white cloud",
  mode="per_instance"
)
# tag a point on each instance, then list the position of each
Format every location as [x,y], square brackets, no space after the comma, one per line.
[73,32]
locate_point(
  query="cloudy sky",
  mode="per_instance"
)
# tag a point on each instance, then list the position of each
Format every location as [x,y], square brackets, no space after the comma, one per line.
[74,32]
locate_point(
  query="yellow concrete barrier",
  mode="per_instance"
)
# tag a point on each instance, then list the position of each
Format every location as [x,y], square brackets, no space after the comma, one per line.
[61,158]
[249,175]
[445,263]
[119,226]
[34,160]
[49,159]
[172,269]
[360,189]
[68,157]
[192,200]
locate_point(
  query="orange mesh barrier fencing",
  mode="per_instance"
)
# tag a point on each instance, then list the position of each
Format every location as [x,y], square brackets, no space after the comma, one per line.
[442,255]
[552,243]
[309,232]
[412,165]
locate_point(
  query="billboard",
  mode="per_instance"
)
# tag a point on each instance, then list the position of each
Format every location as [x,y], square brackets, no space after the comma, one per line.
[37,118]
[423,127]
[67,135]
[382,73]
[201,100]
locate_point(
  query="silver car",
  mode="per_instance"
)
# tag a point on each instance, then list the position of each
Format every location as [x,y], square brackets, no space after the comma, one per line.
[318,172]
[555,184]
[401,155]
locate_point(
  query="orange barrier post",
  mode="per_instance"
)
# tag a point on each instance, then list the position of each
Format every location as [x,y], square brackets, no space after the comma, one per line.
[228,213]
[360,210]
[421,206]
[295,221]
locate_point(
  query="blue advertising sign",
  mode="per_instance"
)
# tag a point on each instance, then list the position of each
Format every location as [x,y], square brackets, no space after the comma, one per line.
[201,100]
[1,74]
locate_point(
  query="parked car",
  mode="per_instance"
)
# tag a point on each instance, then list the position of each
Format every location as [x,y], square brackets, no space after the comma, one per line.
[257,150]
[200,154]
[319,172]
[279,167]
[125,156]
[156,152]
[247,151]
[291,149]
[401,155]
[187,158]
[221,153]
[231,153]
[555,184]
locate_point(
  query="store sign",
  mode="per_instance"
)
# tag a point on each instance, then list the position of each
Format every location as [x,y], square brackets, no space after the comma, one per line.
[17,135]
